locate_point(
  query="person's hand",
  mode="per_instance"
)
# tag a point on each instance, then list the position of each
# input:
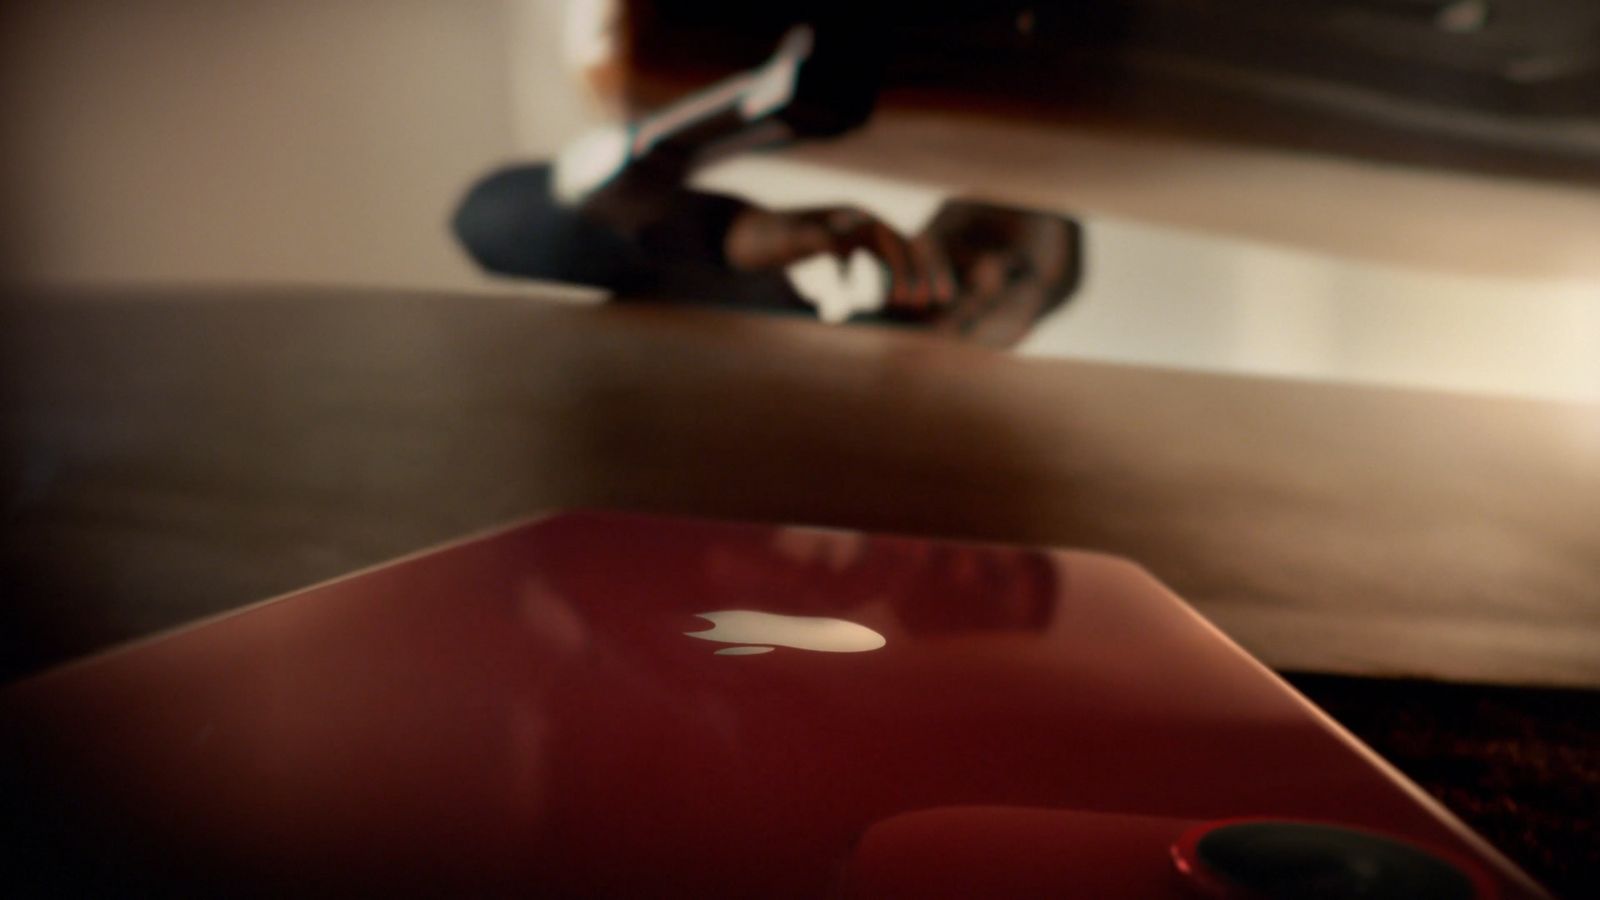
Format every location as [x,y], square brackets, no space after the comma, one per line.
[920,278]
[921,281]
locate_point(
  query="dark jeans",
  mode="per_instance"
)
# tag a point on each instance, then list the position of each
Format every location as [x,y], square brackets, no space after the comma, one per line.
[670,248]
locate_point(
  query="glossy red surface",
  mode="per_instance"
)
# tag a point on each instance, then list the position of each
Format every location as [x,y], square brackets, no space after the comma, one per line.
[525,712]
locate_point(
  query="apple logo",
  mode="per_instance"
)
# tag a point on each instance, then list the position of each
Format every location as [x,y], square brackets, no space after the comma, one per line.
[762,632]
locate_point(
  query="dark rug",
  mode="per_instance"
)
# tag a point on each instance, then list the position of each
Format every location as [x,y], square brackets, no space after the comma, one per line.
[1519,765]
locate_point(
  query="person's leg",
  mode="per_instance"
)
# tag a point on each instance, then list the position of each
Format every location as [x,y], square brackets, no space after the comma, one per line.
[511,225]
[637,225]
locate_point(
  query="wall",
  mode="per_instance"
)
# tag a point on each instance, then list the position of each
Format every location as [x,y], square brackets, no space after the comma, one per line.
[283,141]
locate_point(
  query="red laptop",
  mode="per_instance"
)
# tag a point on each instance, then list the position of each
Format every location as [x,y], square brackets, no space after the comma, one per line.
[599,705]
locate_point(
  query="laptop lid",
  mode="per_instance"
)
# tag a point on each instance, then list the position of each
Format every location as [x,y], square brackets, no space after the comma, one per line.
[613,705]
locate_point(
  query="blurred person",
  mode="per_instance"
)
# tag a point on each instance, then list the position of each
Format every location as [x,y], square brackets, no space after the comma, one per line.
[612,211]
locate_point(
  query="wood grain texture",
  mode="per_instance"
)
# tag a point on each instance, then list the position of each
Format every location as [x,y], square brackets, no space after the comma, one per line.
[171,454]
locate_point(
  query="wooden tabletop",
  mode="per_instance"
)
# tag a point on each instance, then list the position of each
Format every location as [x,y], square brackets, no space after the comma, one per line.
[171,454]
